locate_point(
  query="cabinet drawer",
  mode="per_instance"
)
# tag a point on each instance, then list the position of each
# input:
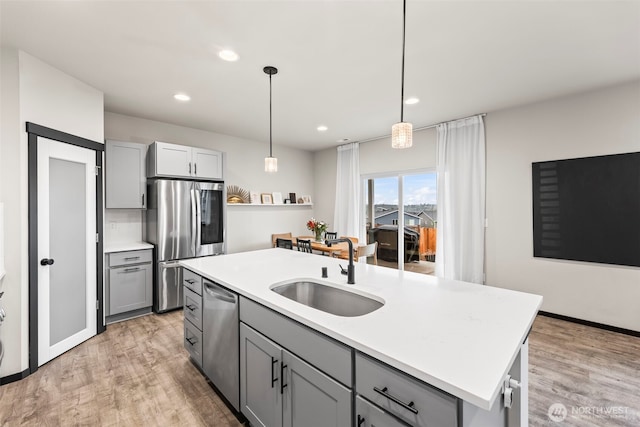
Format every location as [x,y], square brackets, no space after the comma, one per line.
[368,415]
[193,308]
[129,257]
[193,342]
[322,352]
[409,399]
[192,281]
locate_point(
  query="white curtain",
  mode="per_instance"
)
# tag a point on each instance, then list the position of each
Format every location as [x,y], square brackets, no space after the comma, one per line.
[346,220]
[461,200]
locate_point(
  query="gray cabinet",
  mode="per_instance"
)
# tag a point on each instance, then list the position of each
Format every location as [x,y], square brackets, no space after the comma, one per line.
[369,415]
[260,369]
[412,401]
[192,303]
[129,283]
[125,175]
[311,398]
[277,388]
[173,160]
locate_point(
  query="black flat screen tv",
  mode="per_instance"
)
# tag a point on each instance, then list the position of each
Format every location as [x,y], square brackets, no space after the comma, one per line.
[588,209]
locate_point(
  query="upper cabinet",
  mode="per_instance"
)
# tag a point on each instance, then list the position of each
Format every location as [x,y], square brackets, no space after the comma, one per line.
[126,184]
[174,160]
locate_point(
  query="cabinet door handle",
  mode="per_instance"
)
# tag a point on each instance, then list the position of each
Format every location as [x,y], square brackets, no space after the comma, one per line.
[273,379]
[132,258]
[189,168]
[191,307]
[130,270]
[408,406]
[191,341]
[282,384]
[360,420]
[143,200]
[190,281]
[195,169]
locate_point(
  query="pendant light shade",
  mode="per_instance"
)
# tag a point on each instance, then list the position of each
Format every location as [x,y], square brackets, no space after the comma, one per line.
[402,133]
[270,163]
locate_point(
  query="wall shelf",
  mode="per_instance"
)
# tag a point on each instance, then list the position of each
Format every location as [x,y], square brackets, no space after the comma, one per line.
[283,205]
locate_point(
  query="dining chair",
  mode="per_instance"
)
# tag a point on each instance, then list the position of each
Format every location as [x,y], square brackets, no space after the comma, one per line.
[288,236]
[328,235]
[284,243]
[304,246]
[368,250]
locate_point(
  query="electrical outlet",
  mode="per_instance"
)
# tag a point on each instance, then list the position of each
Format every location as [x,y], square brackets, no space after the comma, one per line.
[113,225]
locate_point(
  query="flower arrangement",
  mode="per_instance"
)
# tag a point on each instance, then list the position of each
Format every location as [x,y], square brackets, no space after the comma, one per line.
[318,227]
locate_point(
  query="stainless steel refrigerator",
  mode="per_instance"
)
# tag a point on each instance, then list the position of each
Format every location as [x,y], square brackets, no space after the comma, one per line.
[185,219]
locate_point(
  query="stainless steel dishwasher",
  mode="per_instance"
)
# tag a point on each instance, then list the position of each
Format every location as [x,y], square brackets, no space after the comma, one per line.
[221,341]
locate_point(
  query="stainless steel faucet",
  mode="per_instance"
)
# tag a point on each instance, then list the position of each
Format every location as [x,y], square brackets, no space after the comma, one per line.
[351,270]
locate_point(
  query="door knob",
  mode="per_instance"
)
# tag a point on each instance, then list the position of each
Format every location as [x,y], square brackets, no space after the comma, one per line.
[46,261]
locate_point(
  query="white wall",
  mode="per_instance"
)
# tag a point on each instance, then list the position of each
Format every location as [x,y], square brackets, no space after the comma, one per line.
[248,227]
[46,96]
[590,124]
[12,156]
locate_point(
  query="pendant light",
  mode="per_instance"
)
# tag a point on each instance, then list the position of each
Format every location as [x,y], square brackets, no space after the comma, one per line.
[270,163]
[402,133]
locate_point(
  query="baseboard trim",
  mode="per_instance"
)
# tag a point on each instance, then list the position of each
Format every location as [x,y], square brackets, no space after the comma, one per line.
[15,377]
[592,324]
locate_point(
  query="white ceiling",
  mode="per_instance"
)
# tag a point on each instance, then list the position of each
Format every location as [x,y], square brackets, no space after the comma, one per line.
[339,61]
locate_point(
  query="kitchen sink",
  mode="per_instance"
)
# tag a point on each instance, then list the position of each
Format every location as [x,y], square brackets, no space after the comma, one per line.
[328,298]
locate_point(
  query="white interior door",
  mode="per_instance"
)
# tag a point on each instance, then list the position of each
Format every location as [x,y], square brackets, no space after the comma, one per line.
[66,247]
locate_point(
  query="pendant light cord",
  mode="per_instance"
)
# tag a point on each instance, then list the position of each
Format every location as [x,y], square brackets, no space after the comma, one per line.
[270,131]
[404,18]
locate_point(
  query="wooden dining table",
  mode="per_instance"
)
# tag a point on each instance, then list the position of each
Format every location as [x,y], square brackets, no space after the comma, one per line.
[320,246]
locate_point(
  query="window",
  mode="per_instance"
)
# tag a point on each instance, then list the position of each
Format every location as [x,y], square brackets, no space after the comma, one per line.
[402,201]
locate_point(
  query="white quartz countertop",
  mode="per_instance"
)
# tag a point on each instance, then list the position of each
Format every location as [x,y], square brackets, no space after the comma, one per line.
[126,246]
[459,337]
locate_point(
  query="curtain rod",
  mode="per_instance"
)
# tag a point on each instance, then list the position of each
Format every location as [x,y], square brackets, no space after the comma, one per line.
[422,128]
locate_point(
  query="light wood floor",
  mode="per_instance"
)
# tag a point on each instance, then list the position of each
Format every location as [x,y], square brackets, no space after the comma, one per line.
[137,373]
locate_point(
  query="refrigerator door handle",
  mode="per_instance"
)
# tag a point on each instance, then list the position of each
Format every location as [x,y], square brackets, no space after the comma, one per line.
[198,227]
[194,220]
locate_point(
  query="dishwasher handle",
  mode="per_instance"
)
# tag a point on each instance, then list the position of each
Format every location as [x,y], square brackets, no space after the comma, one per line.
[219,292]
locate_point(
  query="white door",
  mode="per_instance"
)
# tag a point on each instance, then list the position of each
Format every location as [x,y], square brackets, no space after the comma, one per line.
[67,312]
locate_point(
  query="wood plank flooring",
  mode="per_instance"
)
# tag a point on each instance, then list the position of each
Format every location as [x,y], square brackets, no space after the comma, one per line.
[594,373]
[137,373]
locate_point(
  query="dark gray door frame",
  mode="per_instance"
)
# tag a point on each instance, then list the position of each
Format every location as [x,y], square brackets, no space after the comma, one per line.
[34,131]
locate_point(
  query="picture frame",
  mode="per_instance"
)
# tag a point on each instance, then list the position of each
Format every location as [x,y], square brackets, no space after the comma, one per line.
[277,198]
[266,199]
[292,197]
[254,198]
[306,199]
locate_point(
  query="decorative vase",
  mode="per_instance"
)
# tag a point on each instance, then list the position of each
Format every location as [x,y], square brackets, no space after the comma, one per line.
[318,235]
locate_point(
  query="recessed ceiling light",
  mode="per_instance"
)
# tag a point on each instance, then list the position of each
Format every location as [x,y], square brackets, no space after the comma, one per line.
[228,55]
[343,140]
[322,128]
[182,97]
[412,100]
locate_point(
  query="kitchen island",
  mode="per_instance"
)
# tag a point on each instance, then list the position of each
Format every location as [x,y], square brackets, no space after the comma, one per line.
[461,338]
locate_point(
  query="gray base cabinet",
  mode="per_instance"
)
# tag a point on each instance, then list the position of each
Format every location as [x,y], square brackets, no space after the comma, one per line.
[129,281]
[369,415]
[278,388]
[192,306]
